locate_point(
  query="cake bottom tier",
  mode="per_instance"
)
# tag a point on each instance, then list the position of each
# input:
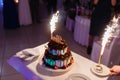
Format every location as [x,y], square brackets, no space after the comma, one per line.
[58,64]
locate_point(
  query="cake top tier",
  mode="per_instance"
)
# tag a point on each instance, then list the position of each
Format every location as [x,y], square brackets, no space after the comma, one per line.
[57,43]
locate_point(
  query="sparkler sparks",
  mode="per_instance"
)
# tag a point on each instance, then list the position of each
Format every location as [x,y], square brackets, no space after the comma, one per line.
[53,22]
[112,30]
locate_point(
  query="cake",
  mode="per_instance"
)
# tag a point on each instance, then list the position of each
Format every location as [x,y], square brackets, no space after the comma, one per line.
[57,55]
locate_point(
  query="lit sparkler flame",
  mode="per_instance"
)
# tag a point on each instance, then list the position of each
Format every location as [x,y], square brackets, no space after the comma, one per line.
[110,31]
[53,22]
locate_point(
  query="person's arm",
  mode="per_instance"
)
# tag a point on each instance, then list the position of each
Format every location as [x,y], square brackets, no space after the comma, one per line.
[115,70]
[95,2]
[113,2]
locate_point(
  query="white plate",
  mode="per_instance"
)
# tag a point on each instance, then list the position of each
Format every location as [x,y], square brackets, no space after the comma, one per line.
[77,76]
[105,71]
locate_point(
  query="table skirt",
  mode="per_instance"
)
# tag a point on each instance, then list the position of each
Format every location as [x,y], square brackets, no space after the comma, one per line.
[81,30]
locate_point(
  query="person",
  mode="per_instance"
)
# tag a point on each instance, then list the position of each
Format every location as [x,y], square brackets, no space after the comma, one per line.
[70,7]
[100,17]
[115,70]
[60,4]
[117,8]
[35,10]
[24,13]
[10,14]
[51,6]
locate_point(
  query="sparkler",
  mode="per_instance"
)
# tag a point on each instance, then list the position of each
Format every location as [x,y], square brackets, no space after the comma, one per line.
[110,31]
[53,22]
[105,39]
[52,29]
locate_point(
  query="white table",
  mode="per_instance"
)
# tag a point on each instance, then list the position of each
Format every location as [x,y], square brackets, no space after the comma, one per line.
[81,30]
[29,70]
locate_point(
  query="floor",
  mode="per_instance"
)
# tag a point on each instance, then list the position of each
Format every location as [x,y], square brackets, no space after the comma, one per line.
[12,41]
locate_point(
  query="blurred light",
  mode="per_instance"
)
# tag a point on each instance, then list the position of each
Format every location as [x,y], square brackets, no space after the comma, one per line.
[1,3]
[16,1]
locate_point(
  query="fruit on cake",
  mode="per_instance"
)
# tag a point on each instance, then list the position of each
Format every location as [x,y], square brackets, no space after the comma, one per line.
[57,55]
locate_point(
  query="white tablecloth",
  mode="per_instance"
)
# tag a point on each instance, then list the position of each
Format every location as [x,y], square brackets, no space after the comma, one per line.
[81,30]
[70,24]
[30,70]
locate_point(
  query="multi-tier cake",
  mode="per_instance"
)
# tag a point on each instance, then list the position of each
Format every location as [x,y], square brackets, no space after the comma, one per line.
[57,55]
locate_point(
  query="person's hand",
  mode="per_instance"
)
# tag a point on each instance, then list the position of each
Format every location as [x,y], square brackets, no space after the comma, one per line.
[115,70]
